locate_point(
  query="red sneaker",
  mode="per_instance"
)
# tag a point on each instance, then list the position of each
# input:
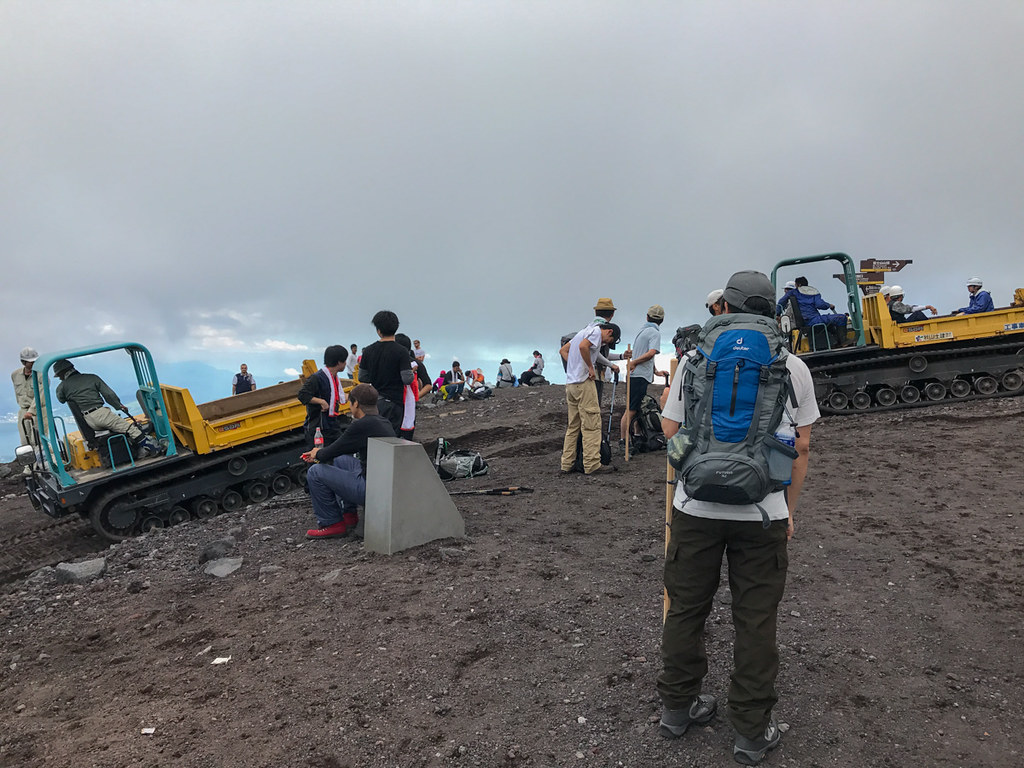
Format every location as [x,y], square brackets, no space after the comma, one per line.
[351,519]
[330,532]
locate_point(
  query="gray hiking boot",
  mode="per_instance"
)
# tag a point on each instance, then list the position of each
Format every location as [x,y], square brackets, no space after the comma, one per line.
[674,722]
[752,751]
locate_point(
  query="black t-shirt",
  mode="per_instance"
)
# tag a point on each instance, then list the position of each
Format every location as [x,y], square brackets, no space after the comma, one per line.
[354,439]
[422,376]
[382,365]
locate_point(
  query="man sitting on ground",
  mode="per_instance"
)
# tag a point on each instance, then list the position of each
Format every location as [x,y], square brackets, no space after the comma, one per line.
[907,313]
[454,382]
[87,392]
[337,479]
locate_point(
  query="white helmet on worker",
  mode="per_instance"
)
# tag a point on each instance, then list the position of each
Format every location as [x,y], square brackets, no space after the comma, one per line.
[895,290]
[790,284]
[714,297]
[885,290]
[29,355]
[974,281]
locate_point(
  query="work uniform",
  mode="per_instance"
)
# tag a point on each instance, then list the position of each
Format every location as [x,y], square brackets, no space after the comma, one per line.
[88,391]
[243,382]
[26,401]
[701,532]
[981,301]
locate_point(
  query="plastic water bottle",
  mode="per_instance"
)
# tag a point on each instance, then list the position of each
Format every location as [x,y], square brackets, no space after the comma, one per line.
[786,434]
[318,438]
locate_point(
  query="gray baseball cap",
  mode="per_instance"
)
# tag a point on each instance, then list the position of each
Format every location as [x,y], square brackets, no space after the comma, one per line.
[746,285]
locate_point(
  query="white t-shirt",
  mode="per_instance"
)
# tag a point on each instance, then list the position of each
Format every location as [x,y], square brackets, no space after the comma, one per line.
[577,371]
[805,414]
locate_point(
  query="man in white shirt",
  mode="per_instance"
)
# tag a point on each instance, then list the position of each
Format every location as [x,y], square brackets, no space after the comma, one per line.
[701,532]
[581,396]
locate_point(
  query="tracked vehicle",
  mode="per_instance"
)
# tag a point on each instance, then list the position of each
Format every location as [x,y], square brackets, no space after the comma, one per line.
[218,456]
[883,365]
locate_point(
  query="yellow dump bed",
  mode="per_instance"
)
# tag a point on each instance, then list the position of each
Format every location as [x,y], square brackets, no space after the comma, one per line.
[880,329]
[238,419]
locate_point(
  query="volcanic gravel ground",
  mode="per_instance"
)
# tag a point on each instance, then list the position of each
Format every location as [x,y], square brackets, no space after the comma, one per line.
[535,640]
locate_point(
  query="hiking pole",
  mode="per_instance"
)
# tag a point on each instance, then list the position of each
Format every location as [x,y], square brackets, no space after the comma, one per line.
[670,492]
[511,490]
[611,408]
[629,421]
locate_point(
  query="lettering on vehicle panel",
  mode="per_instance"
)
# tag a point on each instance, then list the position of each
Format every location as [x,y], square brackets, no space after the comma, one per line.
[911,328]
[229,427]
[1013,327]
[934,336]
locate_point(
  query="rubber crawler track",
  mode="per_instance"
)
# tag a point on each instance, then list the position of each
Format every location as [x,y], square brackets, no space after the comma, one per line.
[883,360]
[154,482]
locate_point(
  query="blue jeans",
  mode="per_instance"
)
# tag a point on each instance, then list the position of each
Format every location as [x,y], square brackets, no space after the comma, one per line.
[838,321]
[336,488]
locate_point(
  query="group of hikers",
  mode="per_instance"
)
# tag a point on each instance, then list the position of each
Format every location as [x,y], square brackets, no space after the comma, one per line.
[531,377]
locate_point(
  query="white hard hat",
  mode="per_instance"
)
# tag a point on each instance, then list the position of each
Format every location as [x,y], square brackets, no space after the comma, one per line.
[714,297]
[895,290]
[885,290]
[975,281]
[790,284]
[29,355]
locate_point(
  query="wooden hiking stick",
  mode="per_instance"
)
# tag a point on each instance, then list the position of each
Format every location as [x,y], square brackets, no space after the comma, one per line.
[511,490]
[629,425]
[670,492]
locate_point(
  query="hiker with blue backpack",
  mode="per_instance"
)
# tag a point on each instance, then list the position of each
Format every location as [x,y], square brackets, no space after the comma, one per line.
[738,418]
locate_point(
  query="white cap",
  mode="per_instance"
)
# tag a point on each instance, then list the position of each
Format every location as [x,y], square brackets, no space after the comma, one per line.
[714,297]
[29,355]
[790,284]
[885,290]
[975,281]
[896,290]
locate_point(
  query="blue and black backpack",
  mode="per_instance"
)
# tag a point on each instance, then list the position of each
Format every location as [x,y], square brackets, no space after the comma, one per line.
[735,388]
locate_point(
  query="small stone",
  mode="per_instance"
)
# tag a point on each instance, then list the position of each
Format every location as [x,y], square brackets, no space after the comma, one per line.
[80,573]
[449,554]
[266,570]
[225,566]
[648,558]
[20,708]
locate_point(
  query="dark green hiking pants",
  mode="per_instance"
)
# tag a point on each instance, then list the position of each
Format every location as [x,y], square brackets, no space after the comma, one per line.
[757,579]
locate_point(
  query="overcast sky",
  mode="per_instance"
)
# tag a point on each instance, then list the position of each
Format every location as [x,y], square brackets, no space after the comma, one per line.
[228,181]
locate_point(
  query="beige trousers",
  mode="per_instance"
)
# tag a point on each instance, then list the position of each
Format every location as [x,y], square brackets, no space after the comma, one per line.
[585,417]
[104,418]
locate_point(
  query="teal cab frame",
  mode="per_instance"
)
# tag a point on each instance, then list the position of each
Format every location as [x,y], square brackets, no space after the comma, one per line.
[149,397]
[850,280]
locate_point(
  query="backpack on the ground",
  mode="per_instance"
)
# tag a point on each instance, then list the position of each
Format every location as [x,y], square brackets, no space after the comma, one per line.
[480,393]
[454,464]
[736,386]
[648,419]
